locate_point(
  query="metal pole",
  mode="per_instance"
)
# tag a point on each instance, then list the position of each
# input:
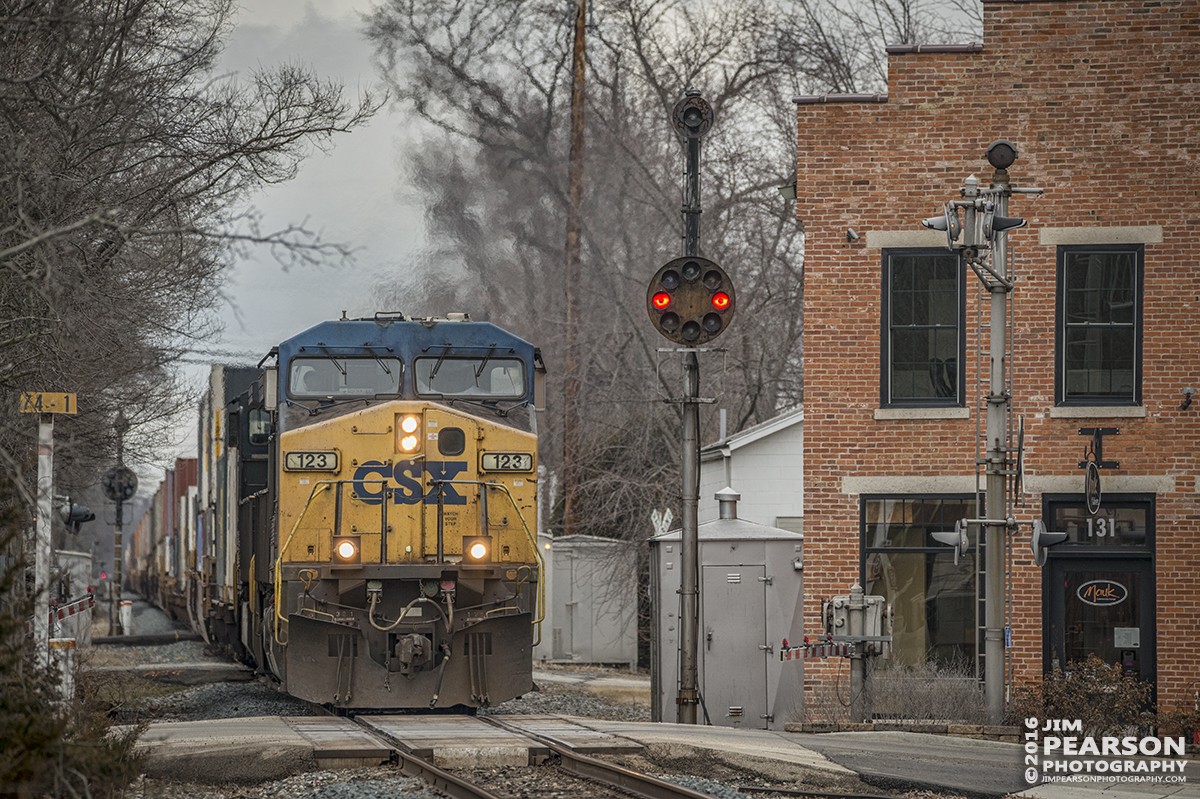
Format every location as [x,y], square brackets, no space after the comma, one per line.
[691,194]
[41,573]
[118,557]
[689,622]
[996,484]
[689,556]
[860,708]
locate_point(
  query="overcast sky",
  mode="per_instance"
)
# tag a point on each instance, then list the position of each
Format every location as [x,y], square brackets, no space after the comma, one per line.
[351,195]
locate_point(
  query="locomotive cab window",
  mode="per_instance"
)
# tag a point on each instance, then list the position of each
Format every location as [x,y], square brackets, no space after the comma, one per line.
[259,427]
[313,378]
[475,378]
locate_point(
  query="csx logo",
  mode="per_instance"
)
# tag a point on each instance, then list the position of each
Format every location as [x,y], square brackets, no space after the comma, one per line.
[407,476]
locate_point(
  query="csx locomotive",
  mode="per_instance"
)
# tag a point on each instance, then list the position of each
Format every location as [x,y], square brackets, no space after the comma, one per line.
[363,525]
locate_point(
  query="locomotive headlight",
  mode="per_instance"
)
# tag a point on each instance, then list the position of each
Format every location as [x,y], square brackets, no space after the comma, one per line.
[346,550]
[477,549]
[410,433]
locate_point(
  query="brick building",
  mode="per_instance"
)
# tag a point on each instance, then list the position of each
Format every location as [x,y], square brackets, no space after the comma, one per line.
[1102,100]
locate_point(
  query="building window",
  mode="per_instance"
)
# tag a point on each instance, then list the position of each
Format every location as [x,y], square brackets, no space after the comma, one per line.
[1099,358]
[923,338]
[934,601]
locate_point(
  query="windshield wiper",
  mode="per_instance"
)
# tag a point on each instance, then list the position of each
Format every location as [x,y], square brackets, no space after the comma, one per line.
[483,363]
[438,365]
[332,358]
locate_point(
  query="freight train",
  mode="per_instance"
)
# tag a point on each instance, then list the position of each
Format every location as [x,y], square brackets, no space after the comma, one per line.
[362,521]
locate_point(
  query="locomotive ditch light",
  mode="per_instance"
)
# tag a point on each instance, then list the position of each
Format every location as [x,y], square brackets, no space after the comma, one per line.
[477,549]
[409,433]
[346,550]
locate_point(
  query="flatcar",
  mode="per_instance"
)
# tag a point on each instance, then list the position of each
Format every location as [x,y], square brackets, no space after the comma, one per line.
[365,525]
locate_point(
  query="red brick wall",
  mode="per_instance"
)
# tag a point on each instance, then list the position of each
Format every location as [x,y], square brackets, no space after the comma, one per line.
[1103,100]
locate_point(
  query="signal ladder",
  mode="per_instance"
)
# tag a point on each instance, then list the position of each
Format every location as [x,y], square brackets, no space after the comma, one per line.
[1015,484]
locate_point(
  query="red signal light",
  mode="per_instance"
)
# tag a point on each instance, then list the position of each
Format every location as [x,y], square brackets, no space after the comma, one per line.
[720,301]
[661,301]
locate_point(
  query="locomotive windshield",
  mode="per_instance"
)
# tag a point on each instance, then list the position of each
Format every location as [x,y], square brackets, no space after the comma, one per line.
[313,378]
[477,378]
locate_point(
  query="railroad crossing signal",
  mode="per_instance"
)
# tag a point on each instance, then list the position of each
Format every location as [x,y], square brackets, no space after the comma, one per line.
[691,300]
[119,484]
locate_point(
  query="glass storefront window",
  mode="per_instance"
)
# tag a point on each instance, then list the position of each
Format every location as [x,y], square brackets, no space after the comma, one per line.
[1112,526]
[934,601]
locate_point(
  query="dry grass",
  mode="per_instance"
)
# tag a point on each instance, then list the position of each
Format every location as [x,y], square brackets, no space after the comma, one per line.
[932,692]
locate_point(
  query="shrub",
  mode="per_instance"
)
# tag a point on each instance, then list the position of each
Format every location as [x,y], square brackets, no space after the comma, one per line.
[48,747]
[943,692]
[1102,697]
[933,691]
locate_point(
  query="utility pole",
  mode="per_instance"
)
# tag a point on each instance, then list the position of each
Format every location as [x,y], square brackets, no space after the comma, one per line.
[571,432]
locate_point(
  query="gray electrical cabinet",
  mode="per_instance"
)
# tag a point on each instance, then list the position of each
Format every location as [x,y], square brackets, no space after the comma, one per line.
[751,599]
[591,601]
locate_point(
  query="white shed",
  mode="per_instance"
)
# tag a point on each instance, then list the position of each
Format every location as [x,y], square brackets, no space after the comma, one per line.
[751,599]
[766,463]
[591,601]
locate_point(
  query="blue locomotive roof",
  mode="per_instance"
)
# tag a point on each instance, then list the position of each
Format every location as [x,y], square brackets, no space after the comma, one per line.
[406,339]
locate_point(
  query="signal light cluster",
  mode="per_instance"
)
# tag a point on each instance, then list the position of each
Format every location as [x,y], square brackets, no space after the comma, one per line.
[691,300]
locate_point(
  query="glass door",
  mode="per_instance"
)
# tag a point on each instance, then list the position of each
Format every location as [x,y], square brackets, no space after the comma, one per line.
[1099,585]
[1103,608]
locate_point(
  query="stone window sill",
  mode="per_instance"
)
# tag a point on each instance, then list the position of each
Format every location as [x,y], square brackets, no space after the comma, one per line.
[1098,412]
[910,414]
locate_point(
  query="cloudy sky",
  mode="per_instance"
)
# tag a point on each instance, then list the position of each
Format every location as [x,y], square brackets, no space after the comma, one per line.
[354,194]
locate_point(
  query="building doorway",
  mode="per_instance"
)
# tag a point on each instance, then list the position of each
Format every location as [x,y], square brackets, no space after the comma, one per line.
[1098,586]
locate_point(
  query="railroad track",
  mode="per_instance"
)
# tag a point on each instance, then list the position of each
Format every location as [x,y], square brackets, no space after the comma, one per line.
[563,771]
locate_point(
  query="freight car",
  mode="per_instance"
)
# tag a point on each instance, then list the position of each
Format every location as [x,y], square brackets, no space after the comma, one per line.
[364,519]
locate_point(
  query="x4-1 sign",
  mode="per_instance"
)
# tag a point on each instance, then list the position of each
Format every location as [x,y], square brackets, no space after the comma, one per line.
[42,402]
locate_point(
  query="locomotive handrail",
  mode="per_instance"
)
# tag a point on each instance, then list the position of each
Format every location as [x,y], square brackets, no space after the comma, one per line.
[541,600]
[323,485]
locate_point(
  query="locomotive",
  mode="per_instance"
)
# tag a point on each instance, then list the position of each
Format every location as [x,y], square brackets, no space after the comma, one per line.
[363,526]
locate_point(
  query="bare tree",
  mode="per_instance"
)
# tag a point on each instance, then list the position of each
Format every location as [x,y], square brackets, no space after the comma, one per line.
[495,78]
[124,162]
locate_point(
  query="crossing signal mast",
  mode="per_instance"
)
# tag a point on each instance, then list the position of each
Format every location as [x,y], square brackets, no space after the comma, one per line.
[983,230]
[690,301]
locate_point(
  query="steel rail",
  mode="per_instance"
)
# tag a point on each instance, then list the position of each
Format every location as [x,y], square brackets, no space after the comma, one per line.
[576,764]
[413,766]
[444,781]
[591,768]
